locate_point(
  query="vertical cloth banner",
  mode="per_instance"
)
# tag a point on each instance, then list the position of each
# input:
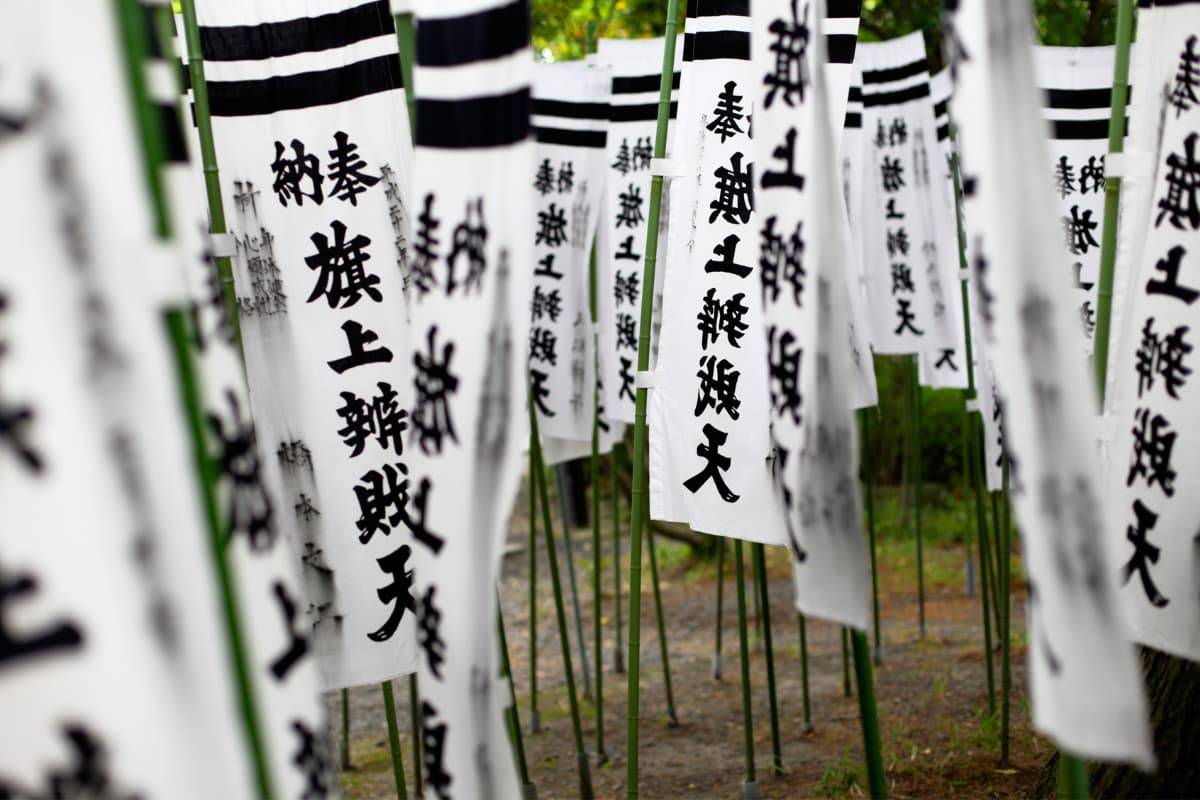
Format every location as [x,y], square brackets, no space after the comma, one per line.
[708,415]
[1086,686]
[313,142]
[1154,466]
[810,359]
[945,368]
[272,599]
[1077,84]
[470,321]
[633,112]
[570,118]
[901,237]
[113,668]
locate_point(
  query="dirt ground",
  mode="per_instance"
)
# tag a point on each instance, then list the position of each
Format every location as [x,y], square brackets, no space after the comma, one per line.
[938,738]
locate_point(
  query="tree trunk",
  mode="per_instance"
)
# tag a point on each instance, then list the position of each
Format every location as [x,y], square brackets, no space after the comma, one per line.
[1173,688]
[1091,34]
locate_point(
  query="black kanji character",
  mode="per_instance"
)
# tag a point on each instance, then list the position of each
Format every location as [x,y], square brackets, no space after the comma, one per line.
[714,464]
[892,173]
[626,331]
[718,387]
[382,499]
[728,113]
[892,213]
[786,153]
[946,360]
[897,242]
[902,278]
[470,238]
[429,622]
[1162,356]
[415,521]
[643,152]
[735,192]
[726,251]
[294,454]
[626,375]
[397,594]
[346,170]
[566,177]
[625,251]
[719,318]
[552,226]
[1183,182]
[778,255]
[1182,95]
[904,312]
[250,507]
[880,134]
[1064,177]
[897,132]
[790,48]
[1153,442]
[297,644]
[1169,284]
[1078,229]
[343,278]
[626,288]
[433,741]
[543,182]
[623,164]
[539,392]
[1144,553]
[19,645]
[545,268]
[435,385]
[87,776]
[784,356]
[306,509]
[543,345]
[630,215]
[546,305]
[290,175]
[312,758]
[359,338]
[1091,176]
[426,247]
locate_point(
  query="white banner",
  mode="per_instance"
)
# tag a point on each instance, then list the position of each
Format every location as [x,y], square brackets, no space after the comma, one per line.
[474,174]
[1077,87]
[1086,685]
[708,415]
[314,148]
[902,250]
[636,66]
[810,358]
[1155,459]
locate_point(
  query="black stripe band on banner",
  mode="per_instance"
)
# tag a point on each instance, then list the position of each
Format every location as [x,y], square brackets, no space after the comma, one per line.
[841,47]
[1081,98]
[563,108]
[484,35]
[713,45]
[492,121]
[943,132]
[718,8]
[843,9]
[853,120]
[304,90]
[304,35]
[941,107]
[172,129]
[642,83]
[647,112]
[1081,129]
[855,94]
[570,138]
[897,97]
[896,73]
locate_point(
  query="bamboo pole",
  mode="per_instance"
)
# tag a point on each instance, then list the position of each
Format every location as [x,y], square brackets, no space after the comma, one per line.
[716,658]
[758,552]
[869,472]
[529,789]
[987,586]
[345,752]
[917,491]
[1004,602]
[535,719]
[414,719]
[131,23]
[808,726]
[750,785]
[569,556]
[597,607]
[539,473]
[845,662]
[672,719]
[618,640]
[639,505]
[869,715]
[389,706]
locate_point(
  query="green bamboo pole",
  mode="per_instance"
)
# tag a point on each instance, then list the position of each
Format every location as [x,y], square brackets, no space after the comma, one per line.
[716,659]
[845,662]
[1072,778]
[808,726]
[414,721]
[597,608]
[758,553]
[539,473]
[917,491]
[969,566]
[572,585]
[750,786]
[869,715]
[756,637]
[994,559]
[639,504]
[389,707]
[672,719]
[535,719]
[406,45]
[618,641]
[869,471]
[346,765]
[987,586]
[1004,601]
[132,26]
[514,715]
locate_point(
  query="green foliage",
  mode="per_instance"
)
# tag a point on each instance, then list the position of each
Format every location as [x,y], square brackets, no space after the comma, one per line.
[843,778]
